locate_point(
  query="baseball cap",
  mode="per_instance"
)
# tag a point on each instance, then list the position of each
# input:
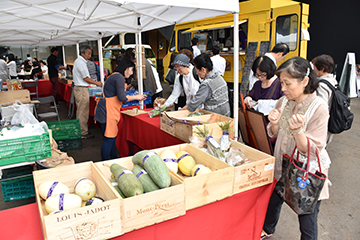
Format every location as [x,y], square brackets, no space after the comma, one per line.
[181,59]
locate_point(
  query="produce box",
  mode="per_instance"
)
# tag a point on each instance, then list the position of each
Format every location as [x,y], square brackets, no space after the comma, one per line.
[94,90]
[259,172]
[135,102]
[66,81]
[99,221]
[17,189]
[177,124]
[148,208]
[69,144]
[207,188]
[25,149]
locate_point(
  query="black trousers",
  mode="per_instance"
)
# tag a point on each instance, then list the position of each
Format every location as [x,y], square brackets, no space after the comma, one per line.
[308,222]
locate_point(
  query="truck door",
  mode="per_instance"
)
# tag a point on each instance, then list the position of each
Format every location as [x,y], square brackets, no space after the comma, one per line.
[286,28]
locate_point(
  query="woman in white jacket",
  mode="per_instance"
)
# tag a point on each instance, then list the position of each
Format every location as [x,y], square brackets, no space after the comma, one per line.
[323,67]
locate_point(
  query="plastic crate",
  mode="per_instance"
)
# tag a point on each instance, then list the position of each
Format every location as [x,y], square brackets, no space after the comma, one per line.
[69,144]
[16,171]
[135,102]
[94,90]
[18,189]
[25,149]
[65,129]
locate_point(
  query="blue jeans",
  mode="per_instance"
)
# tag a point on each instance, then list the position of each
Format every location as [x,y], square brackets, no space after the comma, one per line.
[308,222]
[108,148]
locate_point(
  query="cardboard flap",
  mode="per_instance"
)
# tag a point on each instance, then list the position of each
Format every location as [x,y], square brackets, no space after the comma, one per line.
[9,97]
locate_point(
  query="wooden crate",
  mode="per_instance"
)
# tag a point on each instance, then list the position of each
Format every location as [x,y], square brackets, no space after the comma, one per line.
[259,172]
[207,188]
[183,131]
[100,221]
[148,208]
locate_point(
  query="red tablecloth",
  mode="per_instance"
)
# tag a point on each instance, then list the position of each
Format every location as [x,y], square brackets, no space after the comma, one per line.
[238,217]
[144,132]
[44,88]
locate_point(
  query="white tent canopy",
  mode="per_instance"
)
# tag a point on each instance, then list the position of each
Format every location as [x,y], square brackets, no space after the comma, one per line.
[61,22]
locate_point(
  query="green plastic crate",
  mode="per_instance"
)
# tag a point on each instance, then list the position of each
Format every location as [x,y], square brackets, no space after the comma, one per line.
[18,189]
[25,149]
[69,144]
[65,129]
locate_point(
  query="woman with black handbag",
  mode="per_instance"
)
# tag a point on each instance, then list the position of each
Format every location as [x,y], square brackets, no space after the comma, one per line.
[299,122]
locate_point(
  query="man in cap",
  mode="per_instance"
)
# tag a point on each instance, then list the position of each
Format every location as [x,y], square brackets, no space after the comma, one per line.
[186,80]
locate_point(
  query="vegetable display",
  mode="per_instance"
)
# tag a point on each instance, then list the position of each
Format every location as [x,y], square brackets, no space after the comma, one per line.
[128,183]
[185,162]
[170,160]
[145,179]
[85,188]
[62,202]
[155,166]
[199,169]
[52,188]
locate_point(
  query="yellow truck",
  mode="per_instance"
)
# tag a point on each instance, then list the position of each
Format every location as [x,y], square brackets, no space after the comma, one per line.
[274,21]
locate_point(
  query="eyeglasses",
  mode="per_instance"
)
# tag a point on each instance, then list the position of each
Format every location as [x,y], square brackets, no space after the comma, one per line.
[178,67]
[261,75]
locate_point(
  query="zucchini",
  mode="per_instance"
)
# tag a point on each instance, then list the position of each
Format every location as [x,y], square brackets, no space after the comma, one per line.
[145,179]
[128,183]
[115,184]
[155,166]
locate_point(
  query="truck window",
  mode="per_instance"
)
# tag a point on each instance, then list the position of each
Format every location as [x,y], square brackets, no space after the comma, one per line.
[286,30]
[149,53]
[129,38]
[184,40]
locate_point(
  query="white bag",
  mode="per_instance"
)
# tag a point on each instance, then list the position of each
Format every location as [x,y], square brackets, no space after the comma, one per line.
[22,115]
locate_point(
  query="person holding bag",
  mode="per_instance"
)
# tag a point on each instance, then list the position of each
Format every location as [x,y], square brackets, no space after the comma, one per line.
[299,121]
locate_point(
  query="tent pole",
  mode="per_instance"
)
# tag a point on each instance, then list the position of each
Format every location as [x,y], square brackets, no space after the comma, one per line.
[77,50]
[139,64]
[101,63]
[64,62]
[236,74]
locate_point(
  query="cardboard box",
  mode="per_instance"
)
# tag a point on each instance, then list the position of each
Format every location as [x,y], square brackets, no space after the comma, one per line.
[259,172]
[100,221]
[207,188]
[174,124]
[148,208]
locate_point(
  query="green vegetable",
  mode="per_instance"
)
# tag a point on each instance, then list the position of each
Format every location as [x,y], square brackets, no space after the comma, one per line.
[213,145]
[128,183]
[145,179]
[194,114]
[155,166]
[116,186]
[156,112]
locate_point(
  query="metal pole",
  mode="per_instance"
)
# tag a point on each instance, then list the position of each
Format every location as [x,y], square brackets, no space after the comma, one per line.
[63,50]
[101,63]
[236,74]
[77,50]
[139,65]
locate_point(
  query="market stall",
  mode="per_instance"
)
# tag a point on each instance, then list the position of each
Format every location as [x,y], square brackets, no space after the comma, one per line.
[44,87]
[238,217]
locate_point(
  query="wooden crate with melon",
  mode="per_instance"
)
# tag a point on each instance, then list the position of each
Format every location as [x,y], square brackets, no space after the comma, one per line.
[258,172]
[180,125]
[207,179]
[148,193]
[77,202]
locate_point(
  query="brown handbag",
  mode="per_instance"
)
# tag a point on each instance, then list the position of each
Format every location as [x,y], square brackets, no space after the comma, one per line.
[297,186]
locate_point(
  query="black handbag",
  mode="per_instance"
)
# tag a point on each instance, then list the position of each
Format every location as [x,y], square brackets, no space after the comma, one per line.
[170,76]
[297,186]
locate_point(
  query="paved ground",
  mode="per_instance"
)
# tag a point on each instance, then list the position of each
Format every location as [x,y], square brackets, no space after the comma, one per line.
[339,217]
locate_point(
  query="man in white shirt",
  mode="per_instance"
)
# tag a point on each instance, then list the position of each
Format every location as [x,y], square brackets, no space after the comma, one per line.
[277,54]
[29,58]
[82,82]
[185,81]
[219,63]
[195,44]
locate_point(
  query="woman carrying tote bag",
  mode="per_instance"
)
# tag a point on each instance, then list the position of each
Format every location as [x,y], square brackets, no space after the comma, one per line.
[299,120]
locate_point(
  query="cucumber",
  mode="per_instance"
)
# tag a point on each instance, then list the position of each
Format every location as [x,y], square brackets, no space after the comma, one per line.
[128,183]
[116,186]
[155,166]
[145,179]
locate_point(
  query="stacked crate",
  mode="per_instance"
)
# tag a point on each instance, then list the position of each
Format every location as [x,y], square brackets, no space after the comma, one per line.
[67,134]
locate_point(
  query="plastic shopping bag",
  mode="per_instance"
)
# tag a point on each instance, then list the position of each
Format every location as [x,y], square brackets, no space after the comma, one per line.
[22,115]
